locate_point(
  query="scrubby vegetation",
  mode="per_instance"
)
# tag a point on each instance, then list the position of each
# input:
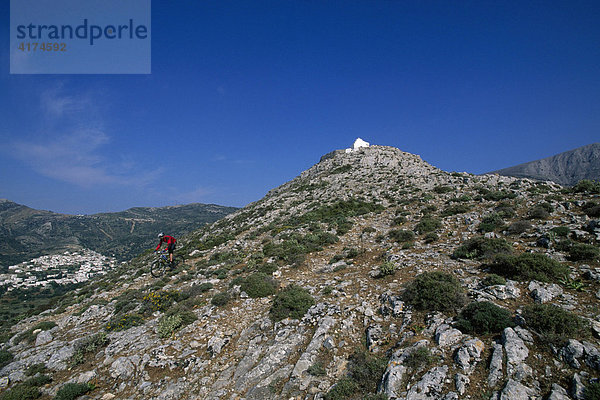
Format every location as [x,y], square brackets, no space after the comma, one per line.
[386,269]
[124,322]
[553,323]
[592,391]
[428,224]
[518,227]
[481,248]
[87,346]
[483,318]
[583,252]
[587,186]
[528,266]
[492,280]
[435,291]
[294,247]
[491,222]
[420,358]
[5,357]
[291,302]
[220,299]
[259,285]
[455,209]
[364,372]
[402,235]
[71,391]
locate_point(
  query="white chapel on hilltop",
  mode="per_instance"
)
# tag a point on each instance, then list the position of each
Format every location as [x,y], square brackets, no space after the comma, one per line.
[358,143]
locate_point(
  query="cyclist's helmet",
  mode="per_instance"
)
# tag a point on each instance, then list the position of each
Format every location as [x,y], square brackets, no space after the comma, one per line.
[160,235]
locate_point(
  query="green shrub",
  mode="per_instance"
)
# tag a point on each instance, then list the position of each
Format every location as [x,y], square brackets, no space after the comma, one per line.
[497,195]
[316,369]
[293,248]
[399,220]
[159,301]
[483,318]
[21,392]
[291,302]
[259,285]
[419,358]
[492,280]
[220,299]
[401,235]
[342,390]
[582,251]
[435,291]
[587,186]
[443,189]
[89,344]
[562,231]
[428,224]
[71,391]
[490,223]
[364,373]
[518,227]
[481,247]
[592,391]
[34,369]
[431,237]
[554,323]
[505,210]
[5,358]
[455,209]
[460,199]
[386,269]
[168,325]
[38,380]
[124,322]
[540,211]
[528,266]
[591,209]
[366,370]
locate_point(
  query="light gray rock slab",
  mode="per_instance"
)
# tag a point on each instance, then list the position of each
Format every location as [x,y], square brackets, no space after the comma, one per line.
[558,393]
[446,336]
[516,353]
[469,354]
[495,375]
[514,390]
[430,386]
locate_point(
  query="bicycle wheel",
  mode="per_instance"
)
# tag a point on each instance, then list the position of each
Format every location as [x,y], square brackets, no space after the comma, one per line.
[157,269]
[178,260]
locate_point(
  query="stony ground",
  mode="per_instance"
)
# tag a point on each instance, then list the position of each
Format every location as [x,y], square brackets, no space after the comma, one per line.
[236,351]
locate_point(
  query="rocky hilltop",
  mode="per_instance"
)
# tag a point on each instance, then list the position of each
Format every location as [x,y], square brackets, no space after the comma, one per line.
[26,233]
[566,168]
[371,275]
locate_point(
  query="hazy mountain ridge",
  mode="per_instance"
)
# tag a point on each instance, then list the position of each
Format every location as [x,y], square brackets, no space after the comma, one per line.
[566,168]
[26,233]
[351,232]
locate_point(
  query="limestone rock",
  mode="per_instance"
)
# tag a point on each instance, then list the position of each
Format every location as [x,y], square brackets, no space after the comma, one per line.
[430,385]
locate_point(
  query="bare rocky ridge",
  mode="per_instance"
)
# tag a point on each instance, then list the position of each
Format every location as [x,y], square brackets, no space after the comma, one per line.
[353,231]
[566,168]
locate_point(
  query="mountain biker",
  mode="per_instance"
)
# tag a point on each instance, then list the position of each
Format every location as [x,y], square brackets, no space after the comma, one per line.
[171,243]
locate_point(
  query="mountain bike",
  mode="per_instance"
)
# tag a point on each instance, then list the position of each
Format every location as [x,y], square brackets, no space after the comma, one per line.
[160,265]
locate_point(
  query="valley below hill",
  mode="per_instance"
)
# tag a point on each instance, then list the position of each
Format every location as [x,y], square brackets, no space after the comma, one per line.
[26,233]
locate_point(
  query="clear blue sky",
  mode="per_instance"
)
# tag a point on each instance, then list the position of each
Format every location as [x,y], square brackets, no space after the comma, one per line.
[244,95]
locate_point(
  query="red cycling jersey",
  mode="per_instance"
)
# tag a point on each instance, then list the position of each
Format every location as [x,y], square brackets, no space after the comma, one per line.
[166,239]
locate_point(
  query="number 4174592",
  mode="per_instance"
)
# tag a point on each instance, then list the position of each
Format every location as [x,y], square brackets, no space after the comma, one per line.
[46,46]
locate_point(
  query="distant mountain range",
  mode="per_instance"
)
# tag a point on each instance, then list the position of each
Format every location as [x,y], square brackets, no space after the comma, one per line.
[26,233]
[566,168]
